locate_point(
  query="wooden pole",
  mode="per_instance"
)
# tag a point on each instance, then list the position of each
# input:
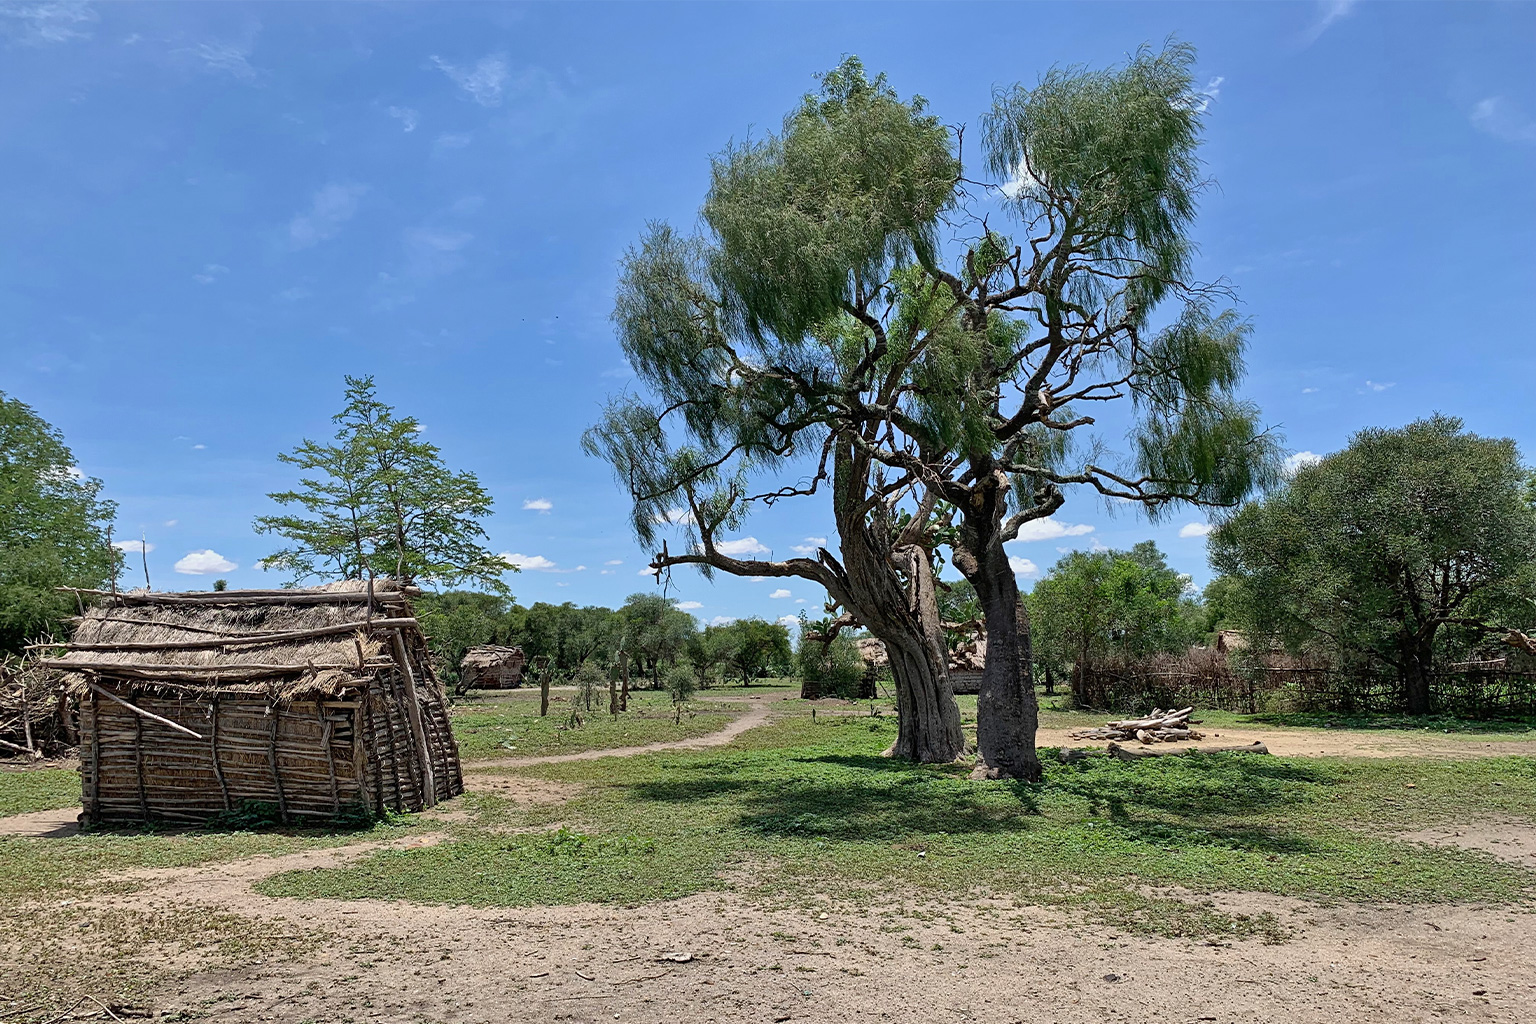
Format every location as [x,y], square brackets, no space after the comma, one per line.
[238,640]
[544,689]
[141,712]
[277,774]
[138,766]
[330,755]
[624,675]
[413,712]
[613,694]
[213,750]
[92,812]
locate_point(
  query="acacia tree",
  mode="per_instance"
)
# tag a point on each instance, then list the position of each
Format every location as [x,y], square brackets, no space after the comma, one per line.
[822,308]
[751,342]
[1405,543]
[53,527]
[380,501]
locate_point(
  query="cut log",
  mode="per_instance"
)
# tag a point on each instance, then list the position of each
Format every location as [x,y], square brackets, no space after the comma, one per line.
[1134,754]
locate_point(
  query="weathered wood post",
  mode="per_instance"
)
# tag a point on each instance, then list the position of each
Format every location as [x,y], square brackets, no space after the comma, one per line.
[542,667]
[624,676]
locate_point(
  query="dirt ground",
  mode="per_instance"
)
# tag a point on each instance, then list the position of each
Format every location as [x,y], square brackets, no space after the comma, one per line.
[714,958]
[1331,743]
[718,958]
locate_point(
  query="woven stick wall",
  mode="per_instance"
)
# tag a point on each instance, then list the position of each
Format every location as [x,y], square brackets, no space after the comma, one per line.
[317,702]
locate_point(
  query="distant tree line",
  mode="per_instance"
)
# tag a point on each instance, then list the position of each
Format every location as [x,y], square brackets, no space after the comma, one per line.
[657,639]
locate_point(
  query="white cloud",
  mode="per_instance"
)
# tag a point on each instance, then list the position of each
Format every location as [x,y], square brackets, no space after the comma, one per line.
[1020,182]
[722,620]
[451,140]
[606,572]
[781,592]
[810,545]
[199,447]
[675,516]
[135,546]
[1098,546]
[331,207]
[741,546]
[1502,119]
[789,620]
[1195,530]
[484,82]
[1309,391]
[537,563]
[614,561]
[202,563]
[688,606]
[172,522]
[211,273]
[38,24]
[1023,566]
[225,57]
[1200,100]
[646,572]
[539,505]
[1376,385]
[1050,529]
[1328,12]
[799,600]
[407,117]
[1300,460]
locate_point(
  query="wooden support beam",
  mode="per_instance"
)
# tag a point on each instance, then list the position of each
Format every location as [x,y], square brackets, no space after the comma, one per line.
[140,711]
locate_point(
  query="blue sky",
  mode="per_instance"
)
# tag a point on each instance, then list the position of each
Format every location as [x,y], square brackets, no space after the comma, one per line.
[211,212]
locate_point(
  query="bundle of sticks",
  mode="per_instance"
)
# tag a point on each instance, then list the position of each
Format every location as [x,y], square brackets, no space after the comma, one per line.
[35,716]
[1158,727]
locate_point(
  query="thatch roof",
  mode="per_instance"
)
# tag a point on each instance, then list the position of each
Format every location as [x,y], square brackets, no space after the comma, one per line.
[490,656]
[284,644]
[873,651]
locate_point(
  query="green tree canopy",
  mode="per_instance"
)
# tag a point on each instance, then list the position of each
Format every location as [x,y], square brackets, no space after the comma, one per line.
[1408,544]
[819,318]
[654,633]
[380,501]
[1112,604]
[53,528]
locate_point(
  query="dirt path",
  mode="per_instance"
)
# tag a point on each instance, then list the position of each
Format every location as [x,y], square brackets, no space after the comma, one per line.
[54,824]
[755,716]
[1334,742]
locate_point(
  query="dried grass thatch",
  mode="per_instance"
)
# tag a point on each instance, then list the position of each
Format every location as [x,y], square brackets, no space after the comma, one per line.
[491,667]
[313,700]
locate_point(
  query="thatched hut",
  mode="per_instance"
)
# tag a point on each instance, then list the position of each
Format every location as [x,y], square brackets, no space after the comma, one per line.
[315,701]
[490,667]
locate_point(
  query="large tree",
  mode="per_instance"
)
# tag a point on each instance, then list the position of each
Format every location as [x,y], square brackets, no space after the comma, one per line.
[1409,544]
[53,527]
[380,501]
[822,308]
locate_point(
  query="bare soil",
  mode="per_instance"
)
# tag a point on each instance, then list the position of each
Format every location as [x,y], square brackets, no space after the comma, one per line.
[717,958]
[1330,743]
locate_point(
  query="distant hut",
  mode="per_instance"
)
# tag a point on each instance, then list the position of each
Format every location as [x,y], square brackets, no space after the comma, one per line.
[491,668]
[316,701]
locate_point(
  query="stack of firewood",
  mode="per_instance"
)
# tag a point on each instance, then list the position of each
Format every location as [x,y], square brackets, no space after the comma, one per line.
[1158,727]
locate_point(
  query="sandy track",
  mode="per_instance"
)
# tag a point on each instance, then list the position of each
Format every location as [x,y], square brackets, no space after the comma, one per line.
[755,716]
[1331,743]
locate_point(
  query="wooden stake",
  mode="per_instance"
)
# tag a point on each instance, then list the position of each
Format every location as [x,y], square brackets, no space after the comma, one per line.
[413,712]
[138,765]
[330,755]
[277,774]
[141,712]
[213,750]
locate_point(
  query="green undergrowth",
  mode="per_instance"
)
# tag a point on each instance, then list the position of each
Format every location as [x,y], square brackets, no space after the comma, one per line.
[514,728]
[46,789]
[803,811]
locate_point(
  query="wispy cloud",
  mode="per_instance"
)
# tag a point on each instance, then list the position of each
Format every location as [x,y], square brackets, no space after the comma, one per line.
[688,606]
[1376,385]
[1196,530]
[1200,100]
[1502,119]
[537,563]
[722,620]
[225,58]
[675,517]
[1309,391]
[205,562]
[538,505]
[134,546]
[614,561]
[483,81]
[1328,13]
[810,545]
[331,207]
[211,273]
[780,593]
[40,24]
[788,620]
[407,117]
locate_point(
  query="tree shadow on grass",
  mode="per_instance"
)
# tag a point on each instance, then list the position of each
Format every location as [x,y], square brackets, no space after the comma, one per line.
[1192,788]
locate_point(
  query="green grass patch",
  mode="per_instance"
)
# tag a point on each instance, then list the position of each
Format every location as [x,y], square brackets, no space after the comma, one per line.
[41,790]
[799,810]
[514,728]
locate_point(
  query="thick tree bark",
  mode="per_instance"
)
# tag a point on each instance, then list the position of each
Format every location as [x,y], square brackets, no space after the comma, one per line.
[1418,671]
[1007,713]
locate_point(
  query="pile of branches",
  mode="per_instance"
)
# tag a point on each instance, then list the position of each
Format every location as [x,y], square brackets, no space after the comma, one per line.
[1158,727]
[35,713]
